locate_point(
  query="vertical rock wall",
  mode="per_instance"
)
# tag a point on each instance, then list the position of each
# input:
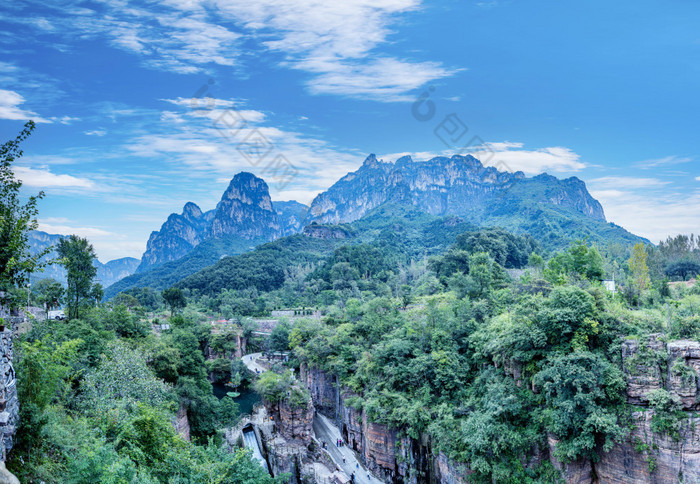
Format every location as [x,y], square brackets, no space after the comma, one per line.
[9,403]
[393,459]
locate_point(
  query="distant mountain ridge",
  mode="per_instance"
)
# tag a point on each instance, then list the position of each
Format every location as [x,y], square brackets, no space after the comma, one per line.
[460,188]
[459,185]
[245,211]
[107,273]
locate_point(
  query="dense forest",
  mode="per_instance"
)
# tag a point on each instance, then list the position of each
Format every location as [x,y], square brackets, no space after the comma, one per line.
[482,340]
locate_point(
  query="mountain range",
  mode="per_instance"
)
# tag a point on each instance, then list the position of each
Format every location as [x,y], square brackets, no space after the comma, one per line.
[459,185]
[555,211]
[245,212]
[107,273]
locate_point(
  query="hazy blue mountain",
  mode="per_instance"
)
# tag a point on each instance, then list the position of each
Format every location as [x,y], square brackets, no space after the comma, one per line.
[291,216]
[107,274]
[168,273]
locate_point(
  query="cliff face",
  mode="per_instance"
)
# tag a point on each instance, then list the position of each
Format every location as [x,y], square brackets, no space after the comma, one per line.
[326,232]
[177,236]
[377,445]
[642,457]
[9,403]
[459,185]
[245,211]
[181,423]
[291,216]
[645,456]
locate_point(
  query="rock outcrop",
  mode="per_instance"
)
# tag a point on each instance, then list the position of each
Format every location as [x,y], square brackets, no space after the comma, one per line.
[182,423]
[176,237]
[645,456]
[459,185]
[318,231]
[388,456]
[245,212]
[9,403]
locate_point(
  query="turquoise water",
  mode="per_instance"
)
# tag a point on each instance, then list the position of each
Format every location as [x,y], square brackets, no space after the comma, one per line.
[247,399]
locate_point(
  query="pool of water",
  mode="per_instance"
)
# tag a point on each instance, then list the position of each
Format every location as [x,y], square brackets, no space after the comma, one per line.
[246,400]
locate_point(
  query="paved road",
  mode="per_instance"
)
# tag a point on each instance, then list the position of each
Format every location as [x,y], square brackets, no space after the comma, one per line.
[326,431]
[252,363]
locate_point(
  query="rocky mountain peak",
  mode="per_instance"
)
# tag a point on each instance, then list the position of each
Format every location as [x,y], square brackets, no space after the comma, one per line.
[191,211]
[245,209]
[370,161]
[248,189]
[458,185]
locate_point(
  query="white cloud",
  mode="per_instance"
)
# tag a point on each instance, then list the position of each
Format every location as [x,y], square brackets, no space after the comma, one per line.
[668,212]
[108,245]
[627,182]
[510,156]
[221,111]
[665,161]
[697,178]
[383,79]
[64,119]
[207,147]
[96,132]
[336,42]
[10,102]
[43,178]
[86,232]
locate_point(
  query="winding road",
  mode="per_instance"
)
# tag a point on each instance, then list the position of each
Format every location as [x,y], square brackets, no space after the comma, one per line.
[251,361]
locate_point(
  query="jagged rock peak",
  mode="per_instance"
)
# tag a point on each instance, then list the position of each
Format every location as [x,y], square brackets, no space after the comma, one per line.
[248,189]
[191,211]
[456,185]
[245,209]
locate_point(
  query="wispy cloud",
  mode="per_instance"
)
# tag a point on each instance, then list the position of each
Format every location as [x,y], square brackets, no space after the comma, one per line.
[627,182]
[202,143]
[10,102]
[337,43]
[511,156]
[96,132]
[108,245]
[43,178]
[665,161]
[669,212]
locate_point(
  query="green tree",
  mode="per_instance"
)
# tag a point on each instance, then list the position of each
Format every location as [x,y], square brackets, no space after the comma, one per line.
[175,299]
[582,392]
[638,266]
[279,339]
[406,295]
[77,256]
[44,373]
[16,219]
[48,292]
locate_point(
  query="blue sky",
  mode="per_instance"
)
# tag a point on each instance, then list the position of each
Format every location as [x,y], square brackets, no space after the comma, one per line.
[142,106]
